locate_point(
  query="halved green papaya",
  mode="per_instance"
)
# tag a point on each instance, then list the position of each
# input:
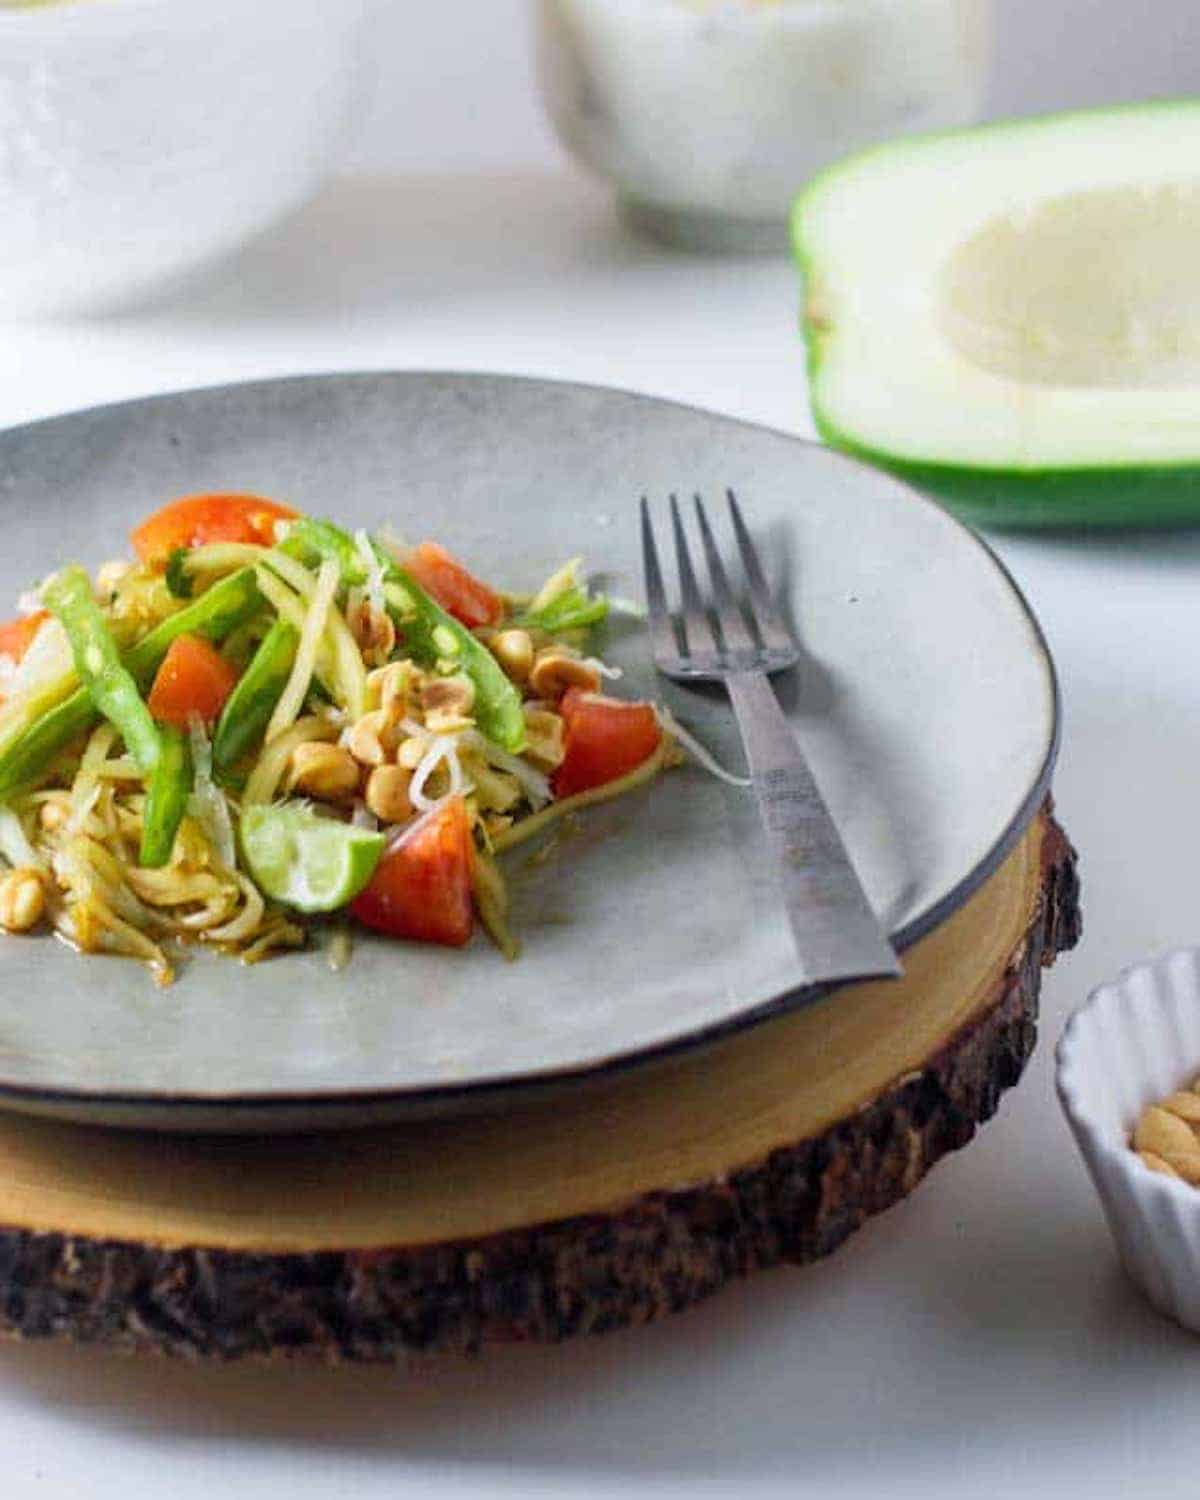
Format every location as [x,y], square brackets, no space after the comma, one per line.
[1009,316]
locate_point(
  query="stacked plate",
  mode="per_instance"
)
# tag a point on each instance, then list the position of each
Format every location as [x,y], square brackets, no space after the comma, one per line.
[927,705]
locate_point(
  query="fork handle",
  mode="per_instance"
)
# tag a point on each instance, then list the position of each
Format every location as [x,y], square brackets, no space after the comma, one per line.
[838,936]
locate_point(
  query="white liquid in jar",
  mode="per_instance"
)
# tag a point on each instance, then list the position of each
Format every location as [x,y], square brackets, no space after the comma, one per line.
[727,107]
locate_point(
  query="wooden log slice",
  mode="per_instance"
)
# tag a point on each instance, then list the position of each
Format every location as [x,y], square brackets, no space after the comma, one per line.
[633,1197]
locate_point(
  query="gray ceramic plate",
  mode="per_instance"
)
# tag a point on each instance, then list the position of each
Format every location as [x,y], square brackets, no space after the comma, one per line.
[928,708]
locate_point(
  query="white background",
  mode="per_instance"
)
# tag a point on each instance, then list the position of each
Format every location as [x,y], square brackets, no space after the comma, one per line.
[454,85]
[979,1340]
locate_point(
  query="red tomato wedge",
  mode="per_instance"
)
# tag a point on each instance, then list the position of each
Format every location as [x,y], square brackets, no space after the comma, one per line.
[16,636]
[421,888]
[606,739]
[194,679]
[457,591]
[198,519]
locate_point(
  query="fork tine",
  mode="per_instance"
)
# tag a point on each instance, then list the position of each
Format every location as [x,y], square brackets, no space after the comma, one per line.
[662,628]
[733,628]
[695,625]
[775,634]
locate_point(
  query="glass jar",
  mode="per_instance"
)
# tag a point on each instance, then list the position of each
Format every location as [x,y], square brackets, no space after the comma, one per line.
[710,115]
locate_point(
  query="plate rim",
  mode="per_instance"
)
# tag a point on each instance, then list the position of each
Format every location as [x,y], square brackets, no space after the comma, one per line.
[429,1101]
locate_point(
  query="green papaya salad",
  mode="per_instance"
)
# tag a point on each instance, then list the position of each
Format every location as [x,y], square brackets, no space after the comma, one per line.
[262,722]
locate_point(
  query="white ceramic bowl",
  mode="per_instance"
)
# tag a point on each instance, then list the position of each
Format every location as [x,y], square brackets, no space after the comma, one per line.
[710,115]
[140,138]
[1132,1043]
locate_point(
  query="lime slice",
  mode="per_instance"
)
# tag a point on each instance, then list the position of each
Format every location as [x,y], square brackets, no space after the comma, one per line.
[306,861]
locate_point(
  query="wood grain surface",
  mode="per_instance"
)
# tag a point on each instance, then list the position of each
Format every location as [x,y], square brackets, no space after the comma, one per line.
[630,1197]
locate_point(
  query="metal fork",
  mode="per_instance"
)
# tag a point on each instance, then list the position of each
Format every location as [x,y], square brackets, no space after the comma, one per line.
[838,936]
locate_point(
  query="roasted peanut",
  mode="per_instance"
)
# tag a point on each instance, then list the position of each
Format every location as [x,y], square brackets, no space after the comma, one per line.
[411,751]
[543,735]
[1160,1131]
[372,739]
[1185,1105]
[373,631]
[449,694]
[513,649]
[1166,1137]
[326,772]
[387,794]
[554,671]
[447,702]
[22,899]
[389,688]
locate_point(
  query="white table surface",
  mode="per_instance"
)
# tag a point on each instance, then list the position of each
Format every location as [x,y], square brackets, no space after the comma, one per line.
[977,1340]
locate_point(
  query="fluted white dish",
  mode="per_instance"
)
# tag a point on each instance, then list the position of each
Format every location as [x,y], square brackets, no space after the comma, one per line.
[1134,1041]
[141,138]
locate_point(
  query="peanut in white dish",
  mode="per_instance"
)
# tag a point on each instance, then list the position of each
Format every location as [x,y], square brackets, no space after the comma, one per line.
[1167,1135]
